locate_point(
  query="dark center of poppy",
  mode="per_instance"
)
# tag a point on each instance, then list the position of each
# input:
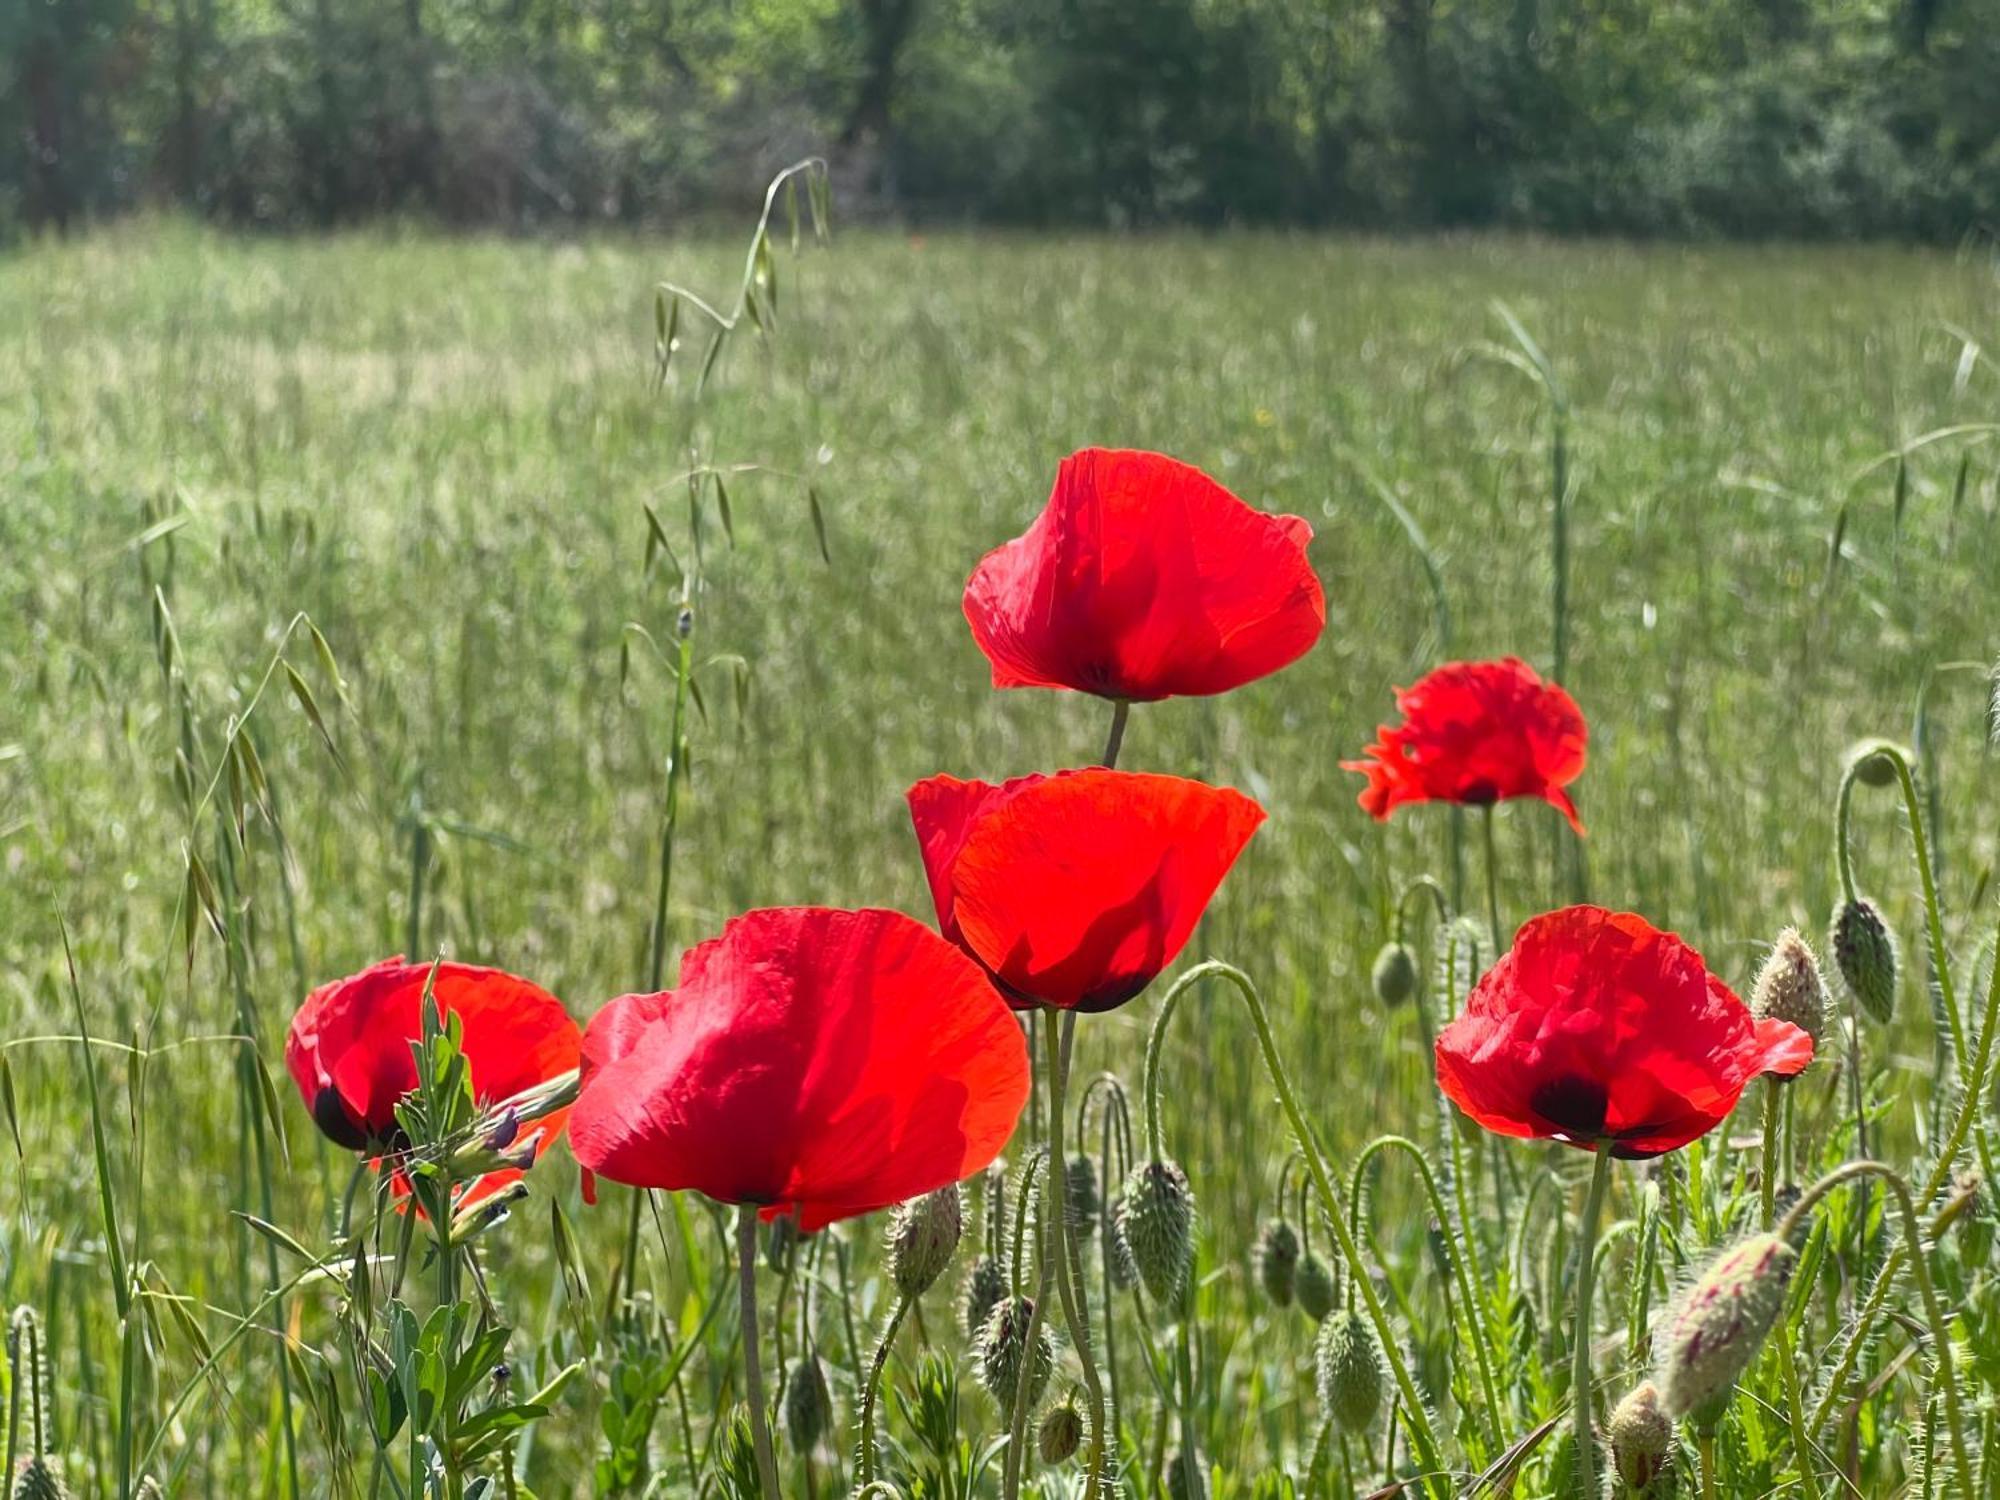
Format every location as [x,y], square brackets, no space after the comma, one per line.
[334,1122]
[1478,793]
[1575,1106]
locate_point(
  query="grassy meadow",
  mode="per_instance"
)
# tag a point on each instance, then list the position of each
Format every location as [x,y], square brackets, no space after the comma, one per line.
[441,452]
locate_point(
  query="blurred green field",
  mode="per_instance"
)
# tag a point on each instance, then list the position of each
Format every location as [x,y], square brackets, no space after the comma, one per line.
[441,450]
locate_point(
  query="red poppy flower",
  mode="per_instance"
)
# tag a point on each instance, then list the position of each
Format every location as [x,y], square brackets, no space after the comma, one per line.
[1144,578]
[1476,732]
[348,1050]
[1075,890]
[827,1063]
[1596,1026]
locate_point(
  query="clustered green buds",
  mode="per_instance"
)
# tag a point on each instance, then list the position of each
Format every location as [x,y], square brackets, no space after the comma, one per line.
[1277,1257]
[1156,1223]
[1348,1363]
[1865,951]
[922,1239]
[1060,1434]
[1314,1286]
[984,1288]
[1641,1436]
[1001,1351]
[1789,987]
[1080,1183]
[1715,1331]
[808,1403]
[1395,974]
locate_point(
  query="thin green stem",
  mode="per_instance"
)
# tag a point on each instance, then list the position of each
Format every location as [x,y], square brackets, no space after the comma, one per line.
[753,1365]
[1768,1185]
[1492,879]
[1121,710]
[1795,1412]
[1061,1038]
[1586,1276]
[866,1463]
[1017,1426]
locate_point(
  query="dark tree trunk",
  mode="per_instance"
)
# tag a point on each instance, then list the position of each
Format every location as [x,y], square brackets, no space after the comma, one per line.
[49,172]
[886,24]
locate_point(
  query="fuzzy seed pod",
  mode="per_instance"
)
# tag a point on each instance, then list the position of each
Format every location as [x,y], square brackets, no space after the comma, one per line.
[1277,1261]
[38,1480]
[1315,1287]
[1789,987]
[1123,1273]
[808,1403]
[1060,1434]
[1348,1362]
[1000,1349]
[1156,1222]
[922,1238]
[1865,951]
[1715,1331]
[28,1370]
[1641,1437]
[1186,1479]
[983,1290]
[1395,974]
[1871,766]
[1083,1204]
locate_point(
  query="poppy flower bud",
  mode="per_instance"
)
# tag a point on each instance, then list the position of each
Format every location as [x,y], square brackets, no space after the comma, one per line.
[1185,1478]
[1277,1257]
[1002,1352]
[1348,1362]
[780,1242]
[1083,1201]
[1865,951]
[38,1480]
[983,1290]
[1395,974]
[808,1403]
[1156,1222]
[1314,1286]
[1060,1434]
[1641,1437]
[1789,987]
[1871,766]
[923,1237]
[1715,1331]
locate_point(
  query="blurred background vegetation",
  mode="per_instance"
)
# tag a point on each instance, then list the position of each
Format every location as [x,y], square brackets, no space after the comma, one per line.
[1822,118]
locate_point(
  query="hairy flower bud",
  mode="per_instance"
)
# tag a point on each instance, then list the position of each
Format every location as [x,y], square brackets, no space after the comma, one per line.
[1395,974]
[1080,1184]
[38,1480]
[1001,1351]
[1156,1223]
[1641,1436]
[1060,1434]
[922,1238]
[1865,951]
[1715,1331]
[1277,1260]
[1314,1286]
[1789,987]
[1348,1362]
[983,1290]
[808,1403]
[1871,766]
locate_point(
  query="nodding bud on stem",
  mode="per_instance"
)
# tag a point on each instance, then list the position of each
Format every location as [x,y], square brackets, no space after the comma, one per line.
[1156,1222]
[1715,1331]
[1348,1362]
[1080,1184]
[1641,1437]
[1314,1286]
[984,1288]
[1865,951]
[808,1403]
[1002,1352]
[1277,1258]
[1060,1434]
[1789,987]
[1395,974]
[1872,767]
[922,1239]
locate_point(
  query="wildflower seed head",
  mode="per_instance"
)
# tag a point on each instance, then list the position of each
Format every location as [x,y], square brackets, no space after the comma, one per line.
[1277,1257]
[808,1403]
[1789,986]
[1080,1184]
[1641,1436]
[1314,1286]
[38,1480]
[984,1288]
[1395,974]
[1060,1434]
[922,1239]
[1348,1362]
[1716,1329]
[1865,952]
[1002,1352]
[1156,1221]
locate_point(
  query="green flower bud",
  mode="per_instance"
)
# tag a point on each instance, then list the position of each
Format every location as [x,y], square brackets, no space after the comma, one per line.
[808,1403]
[1081,1183]
[1156,1222]
[38,1480]
[1348,1361]
[1641,1437]
[1871,766]
[1865,951]
[1060,1434]
[922,1238]
[983,1290]
[1789,987]
[1277,1258]
[1315,1287]
[1395,974]
[1000,1350]
[1715,1331]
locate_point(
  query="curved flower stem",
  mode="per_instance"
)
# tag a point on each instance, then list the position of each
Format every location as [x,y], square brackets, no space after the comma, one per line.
[1060,1040]
[1121,710]
[1586,1276]
[865,1462]
[1492,880]
[1913,1238]
[1017,1426]
[1933,914]
[1423,1437]
[1706,1443]
[753,1367]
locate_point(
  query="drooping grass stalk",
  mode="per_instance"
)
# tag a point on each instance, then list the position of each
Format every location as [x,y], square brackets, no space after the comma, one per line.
[1423,1437]
[753,1367]
[1060,1039]
[1586,1277]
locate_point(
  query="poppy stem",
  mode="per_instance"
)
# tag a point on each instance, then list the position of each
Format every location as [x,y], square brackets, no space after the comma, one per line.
[865,1464]
[1492,880]
[753,1364]
[1069,1269]
[1768,1185]
[1586,1275]
[1121,710]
